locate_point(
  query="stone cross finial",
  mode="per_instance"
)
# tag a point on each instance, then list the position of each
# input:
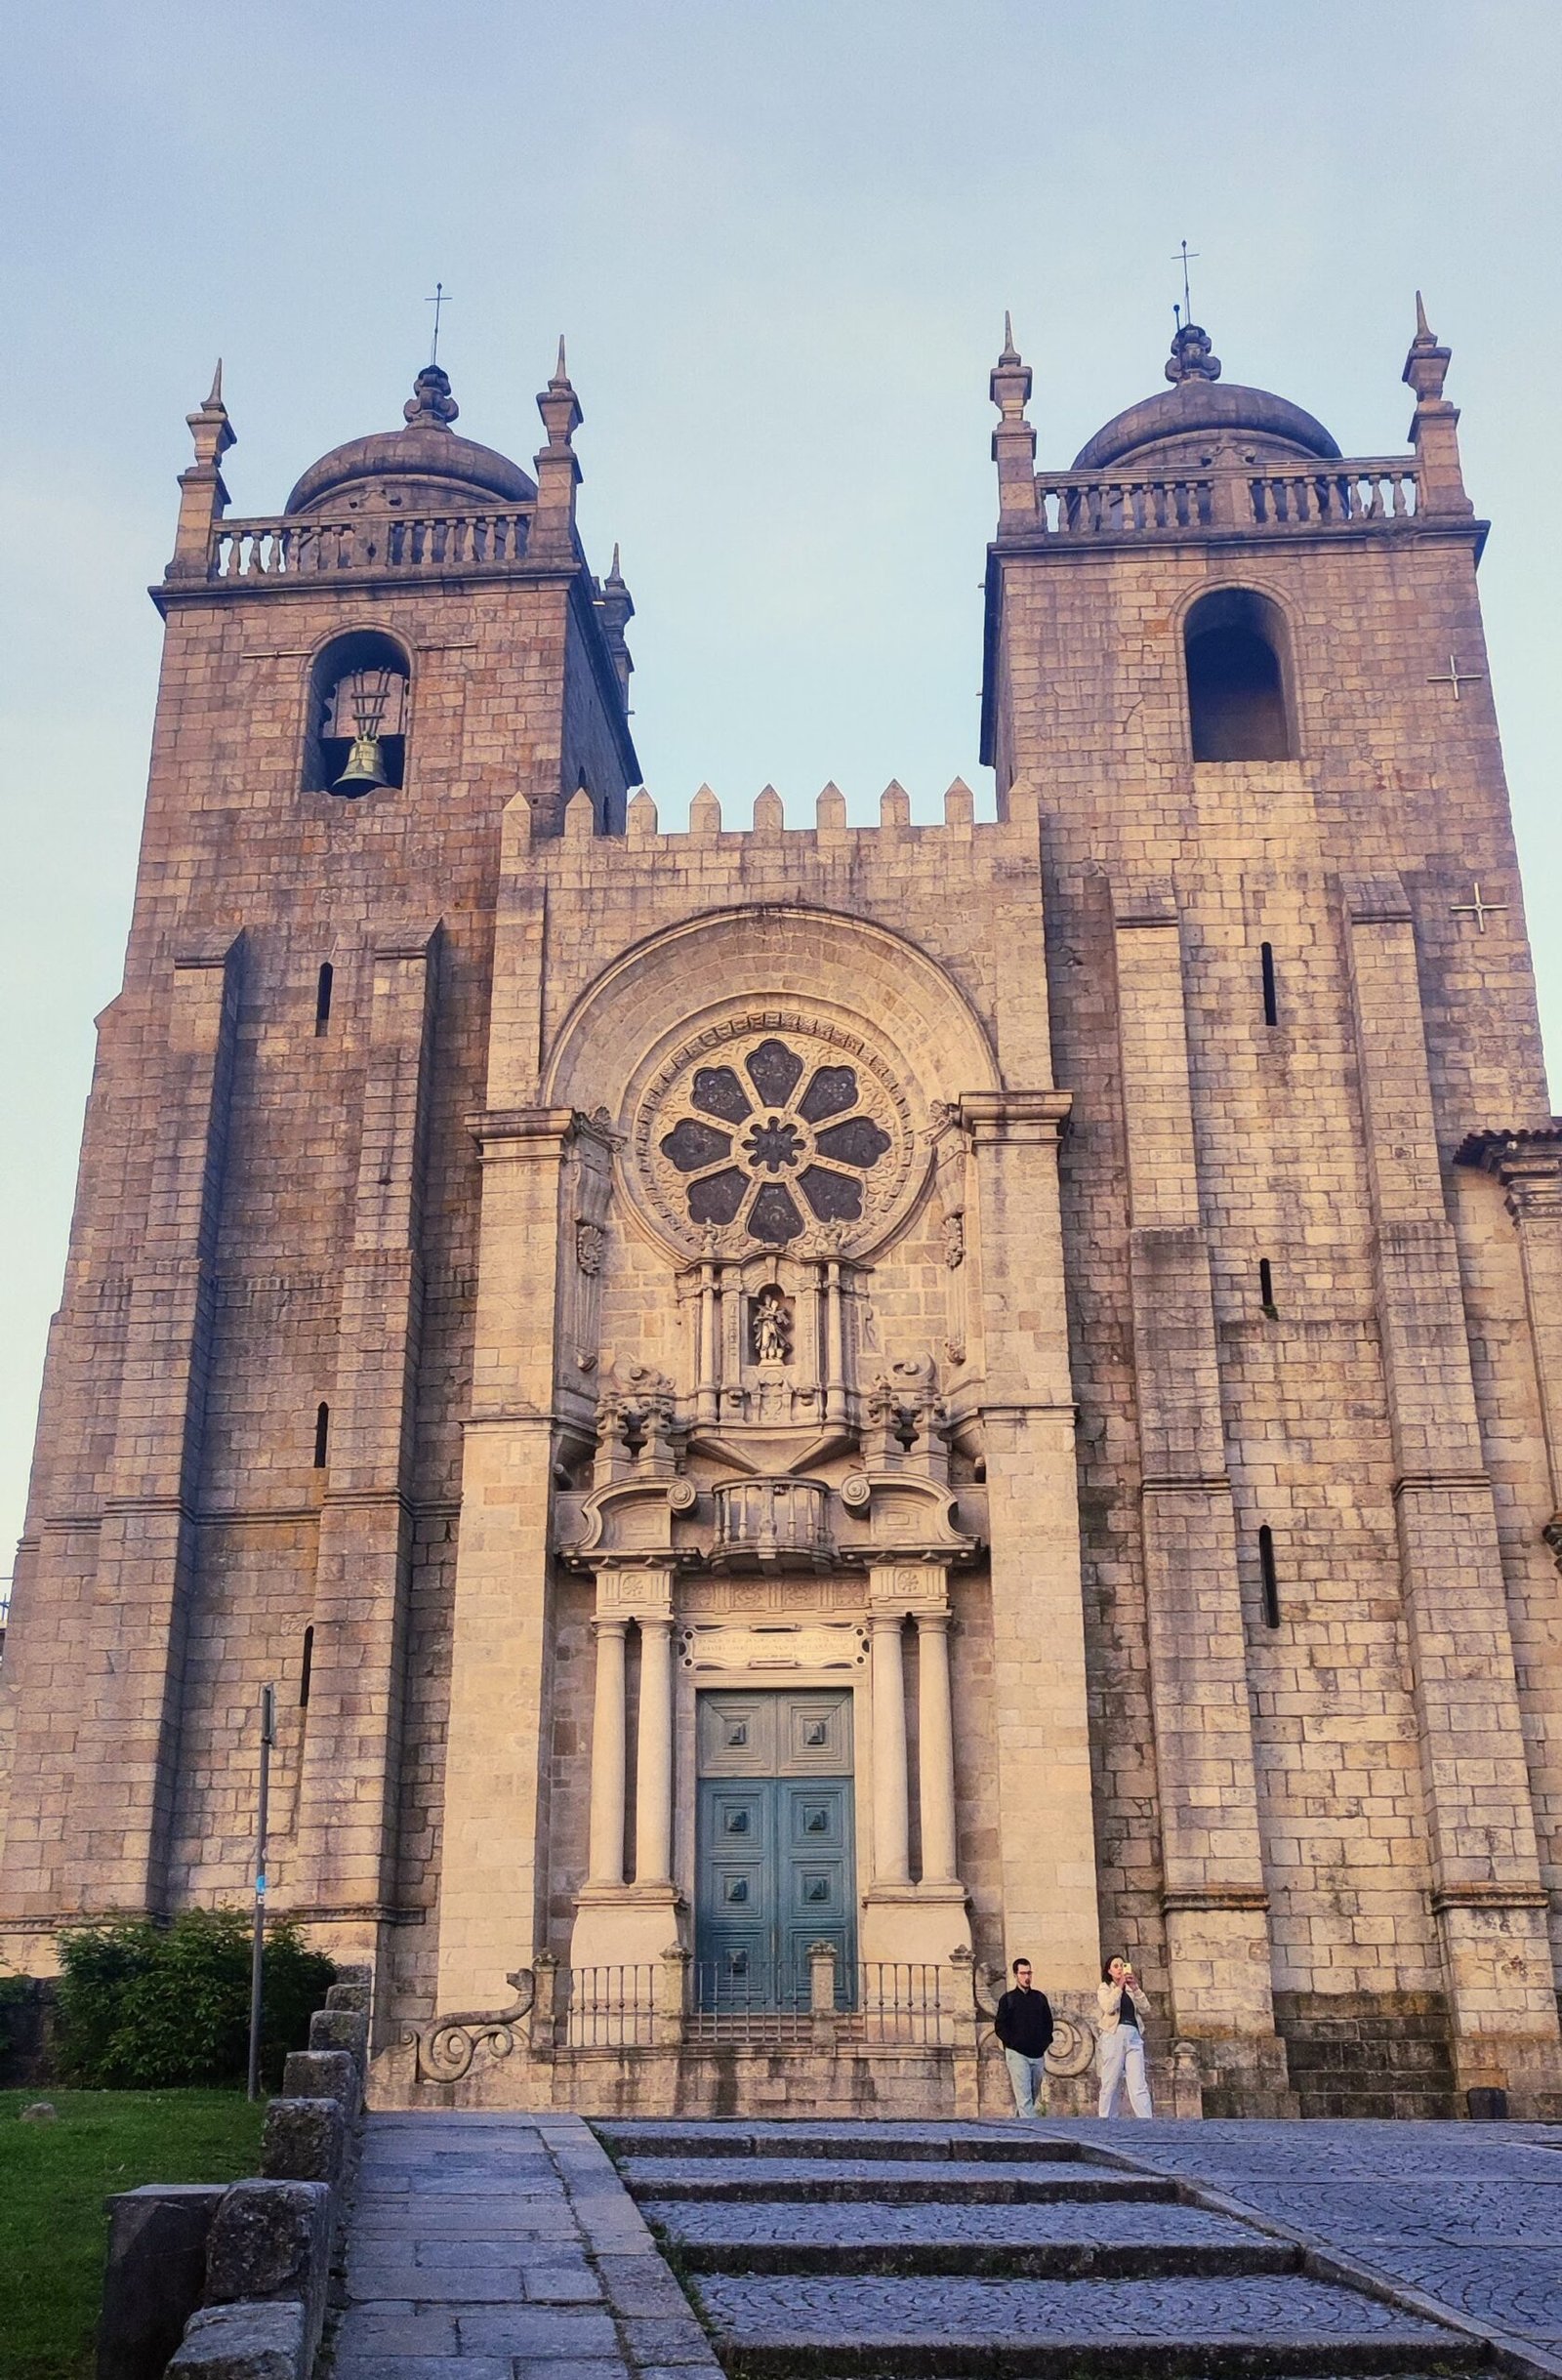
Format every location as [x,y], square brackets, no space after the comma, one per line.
[1191,357]
[431,407]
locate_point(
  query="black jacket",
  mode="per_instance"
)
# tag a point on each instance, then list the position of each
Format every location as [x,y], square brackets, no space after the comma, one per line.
[1024,2022]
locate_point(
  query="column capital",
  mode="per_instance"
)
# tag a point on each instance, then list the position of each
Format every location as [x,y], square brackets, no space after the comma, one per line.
[1527,1164]
[506,1132]
[1015,1115]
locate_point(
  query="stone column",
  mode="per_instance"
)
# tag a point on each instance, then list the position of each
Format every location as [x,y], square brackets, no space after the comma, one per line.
[891,1855]
[1487,1893]
[1214,1901]
[935,1750]
[653,1756]
[608,1764]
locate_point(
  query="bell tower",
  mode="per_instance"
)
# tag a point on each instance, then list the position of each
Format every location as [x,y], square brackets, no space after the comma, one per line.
[248,1445]
[1243,676]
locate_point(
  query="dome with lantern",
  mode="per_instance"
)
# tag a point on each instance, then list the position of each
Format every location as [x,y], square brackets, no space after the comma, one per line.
[1181,429]
[421,466]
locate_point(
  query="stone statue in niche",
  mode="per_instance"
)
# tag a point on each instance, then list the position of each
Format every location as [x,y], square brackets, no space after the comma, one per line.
[770,1327]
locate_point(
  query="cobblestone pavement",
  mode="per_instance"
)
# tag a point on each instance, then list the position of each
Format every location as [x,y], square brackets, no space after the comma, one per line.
[502,2248]
[889,2250]
[1469,2215]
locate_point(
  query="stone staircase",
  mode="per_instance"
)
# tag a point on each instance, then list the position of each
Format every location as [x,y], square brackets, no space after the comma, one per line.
[1345,2057]
[891,2251]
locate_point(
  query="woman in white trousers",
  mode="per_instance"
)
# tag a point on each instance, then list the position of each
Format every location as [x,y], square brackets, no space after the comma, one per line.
[1120,2051]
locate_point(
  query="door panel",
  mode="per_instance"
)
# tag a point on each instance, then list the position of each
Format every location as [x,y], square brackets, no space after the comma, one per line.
[737,1734]
[735,1862]
[814,1735]
[774,1850]
[818,1879]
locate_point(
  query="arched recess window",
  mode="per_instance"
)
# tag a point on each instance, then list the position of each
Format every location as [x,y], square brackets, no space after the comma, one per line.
[1239,691]
[357,726]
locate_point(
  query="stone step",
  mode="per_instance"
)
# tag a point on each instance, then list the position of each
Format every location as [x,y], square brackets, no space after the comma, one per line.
[1006,2145]
[1323,2098]
[1255,2328]
[1055,2241]
[914,2183]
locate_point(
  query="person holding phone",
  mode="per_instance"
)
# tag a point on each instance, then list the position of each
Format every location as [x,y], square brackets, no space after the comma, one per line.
[1120,2050]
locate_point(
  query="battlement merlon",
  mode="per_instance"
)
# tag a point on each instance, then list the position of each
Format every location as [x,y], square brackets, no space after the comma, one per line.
[581,825]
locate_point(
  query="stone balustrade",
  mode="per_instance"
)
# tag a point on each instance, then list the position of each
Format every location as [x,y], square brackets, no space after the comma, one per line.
[290,549]
[766,1523]
[1086,505]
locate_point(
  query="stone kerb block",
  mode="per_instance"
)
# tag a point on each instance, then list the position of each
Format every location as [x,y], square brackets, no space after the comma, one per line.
[155,2273]
[244,2343]
[325,2074]
[305,2141]
[272,2240]
[345,2029]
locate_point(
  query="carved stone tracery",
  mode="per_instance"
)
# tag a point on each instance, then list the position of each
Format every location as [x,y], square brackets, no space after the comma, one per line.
[773,1128]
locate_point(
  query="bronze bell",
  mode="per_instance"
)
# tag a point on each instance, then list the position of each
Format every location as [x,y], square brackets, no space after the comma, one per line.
[365,769]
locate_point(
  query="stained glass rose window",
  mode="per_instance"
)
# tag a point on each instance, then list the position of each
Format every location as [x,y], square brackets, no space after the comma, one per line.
[775,1139]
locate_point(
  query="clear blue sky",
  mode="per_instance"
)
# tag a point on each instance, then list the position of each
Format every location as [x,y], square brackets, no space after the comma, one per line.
[780,239]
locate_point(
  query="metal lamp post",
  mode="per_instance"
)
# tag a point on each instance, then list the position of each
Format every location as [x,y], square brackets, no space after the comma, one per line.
[258,1951]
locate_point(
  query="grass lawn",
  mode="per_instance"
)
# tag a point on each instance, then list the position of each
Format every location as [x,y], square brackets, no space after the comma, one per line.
[54,2179]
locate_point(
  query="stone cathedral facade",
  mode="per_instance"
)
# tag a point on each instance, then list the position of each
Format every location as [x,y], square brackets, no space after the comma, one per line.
[794,1411]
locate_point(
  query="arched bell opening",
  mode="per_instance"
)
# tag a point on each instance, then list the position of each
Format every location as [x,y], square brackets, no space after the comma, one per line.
[1236,658]
[357,724]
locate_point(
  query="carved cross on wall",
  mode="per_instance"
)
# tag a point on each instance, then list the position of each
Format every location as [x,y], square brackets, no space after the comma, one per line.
[1456,678]
[1477,909]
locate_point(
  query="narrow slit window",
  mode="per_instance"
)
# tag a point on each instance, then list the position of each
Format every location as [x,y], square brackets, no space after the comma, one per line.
[1266,1574]
[323,995]
[305,1667]
[1266,1288]
[322,1435]
[1271,1013]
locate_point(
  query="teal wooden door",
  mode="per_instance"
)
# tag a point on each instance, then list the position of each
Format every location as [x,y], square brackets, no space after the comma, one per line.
[775,1863]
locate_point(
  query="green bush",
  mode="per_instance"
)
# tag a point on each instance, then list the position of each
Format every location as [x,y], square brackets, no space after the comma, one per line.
[144,2007]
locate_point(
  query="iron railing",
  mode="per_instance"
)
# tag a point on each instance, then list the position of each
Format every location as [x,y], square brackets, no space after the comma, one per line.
[611,2007]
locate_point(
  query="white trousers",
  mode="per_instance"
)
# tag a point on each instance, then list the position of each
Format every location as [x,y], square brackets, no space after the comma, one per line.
[1119,2055]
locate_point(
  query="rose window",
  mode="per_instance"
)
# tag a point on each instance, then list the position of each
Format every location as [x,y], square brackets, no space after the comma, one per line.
[775,1140]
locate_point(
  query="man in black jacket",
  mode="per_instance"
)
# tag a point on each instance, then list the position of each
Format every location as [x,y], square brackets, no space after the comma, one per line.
[1024,2024]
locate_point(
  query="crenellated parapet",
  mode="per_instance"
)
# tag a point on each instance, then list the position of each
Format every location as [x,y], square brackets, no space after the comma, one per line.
[830,830]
